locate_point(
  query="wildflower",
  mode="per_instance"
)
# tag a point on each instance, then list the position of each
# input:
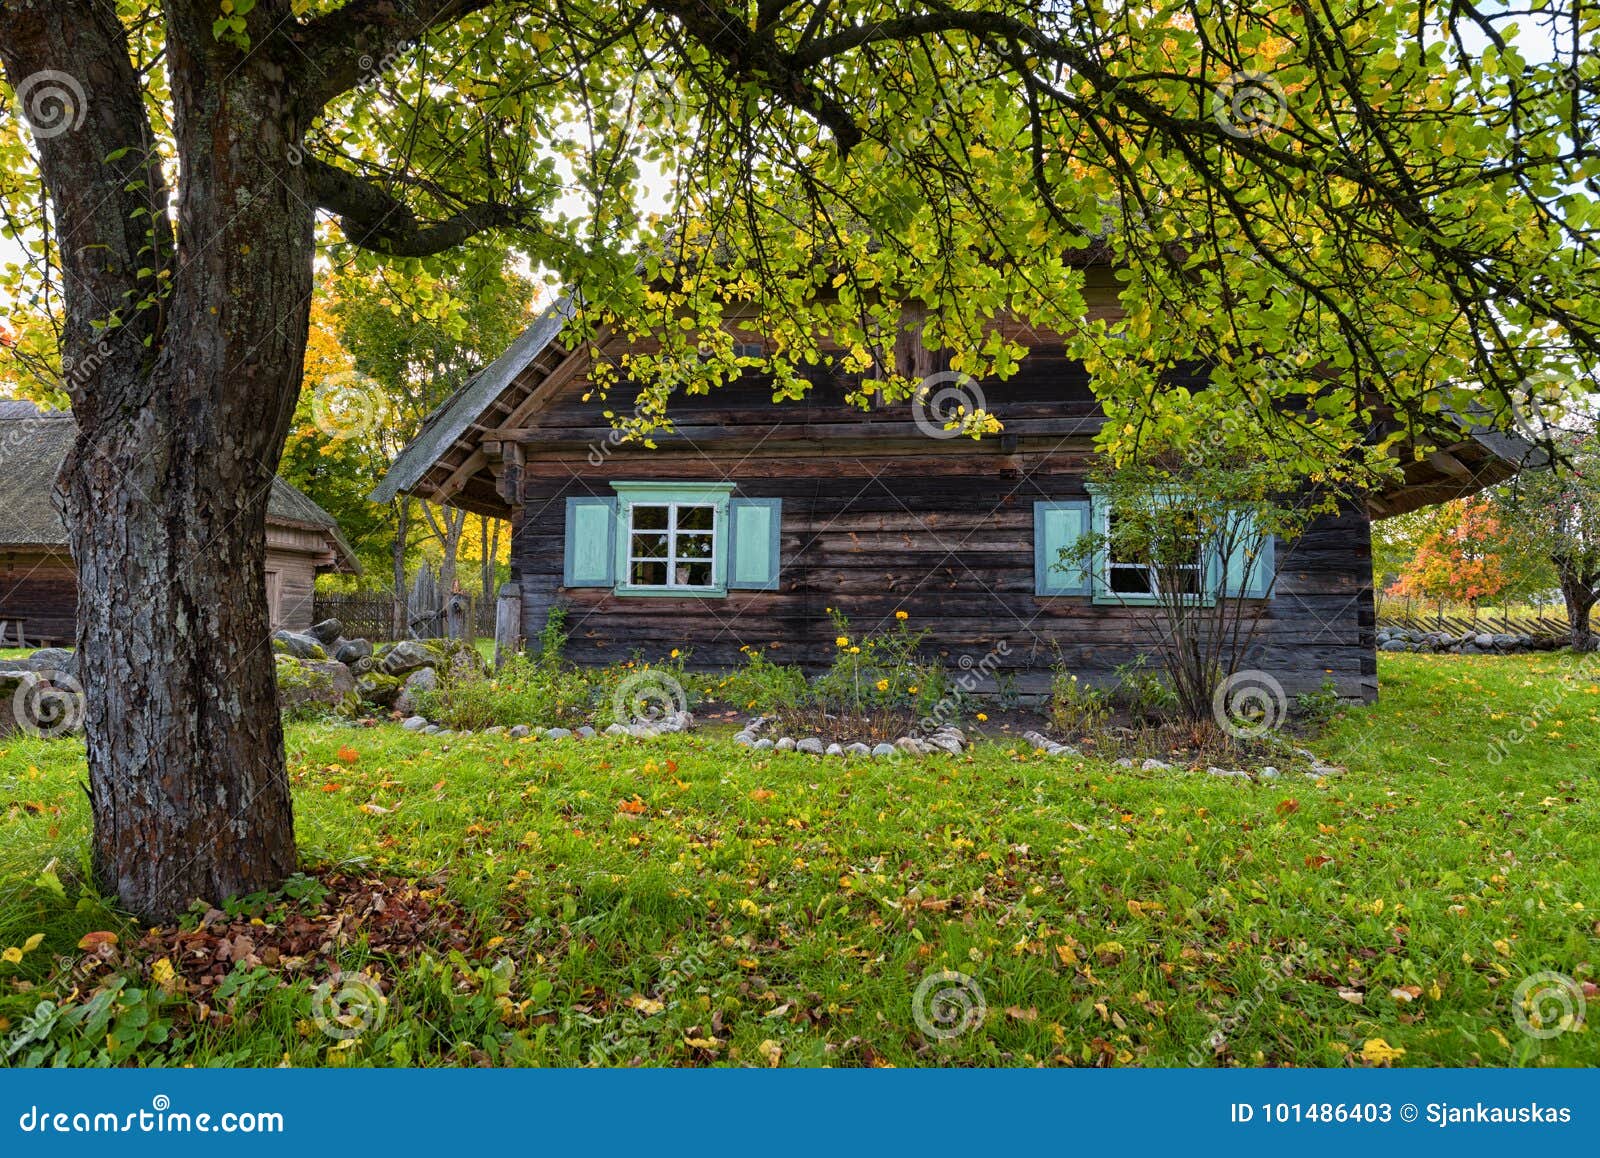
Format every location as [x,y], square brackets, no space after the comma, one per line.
[983,717]
[883,685]
[855,651]
[675,653]
[842,641]
[912,689]
[902,616]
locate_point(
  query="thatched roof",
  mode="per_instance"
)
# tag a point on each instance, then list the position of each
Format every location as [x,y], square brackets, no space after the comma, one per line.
[34,442]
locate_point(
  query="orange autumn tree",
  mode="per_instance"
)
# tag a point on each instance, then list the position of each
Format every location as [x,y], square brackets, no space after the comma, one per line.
[1460,556]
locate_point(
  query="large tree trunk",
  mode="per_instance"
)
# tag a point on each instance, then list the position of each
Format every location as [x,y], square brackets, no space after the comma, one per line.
[1580,600]
[191,343]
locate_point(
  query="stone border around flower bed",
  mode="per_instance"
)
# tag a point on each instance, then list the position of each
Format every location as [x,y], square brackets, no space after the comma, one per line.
[948,740]
[1044,743]
[678,722]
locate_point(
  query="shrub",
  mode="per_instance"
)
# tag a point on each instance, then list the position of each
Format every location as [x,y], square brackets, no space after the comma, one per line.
[1076,707]
[1145,694]
[763,686]
[528,689]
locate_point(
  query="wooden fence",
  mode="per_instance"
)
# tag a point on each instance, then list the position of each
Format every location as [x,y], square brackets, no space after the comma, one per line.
[1550,623]
[371,616]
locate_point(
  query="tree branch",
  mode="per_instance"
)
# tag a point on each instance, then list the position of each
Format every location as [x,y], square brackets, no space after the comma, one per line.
[362,39]
[374,219]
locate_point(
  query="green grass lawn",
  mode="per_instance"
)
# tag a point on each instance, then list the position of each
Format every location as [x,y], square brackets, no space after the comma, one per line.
[681,903]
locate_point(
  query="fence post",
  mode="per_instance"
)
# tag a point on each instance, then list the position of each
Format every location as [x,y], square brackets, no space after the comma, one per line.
[507,623]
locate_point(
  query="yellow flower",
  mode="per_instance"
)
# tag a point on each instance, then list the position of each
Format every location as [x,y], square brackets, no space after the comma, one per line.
[983,718]
[842,641]
[912,689]
[902,615]
[883,685]
[674,653]
[855,651]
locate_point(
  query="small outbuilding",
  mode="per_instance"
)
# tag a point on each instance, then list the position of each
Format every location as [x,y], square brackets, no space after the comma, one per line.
[38,583]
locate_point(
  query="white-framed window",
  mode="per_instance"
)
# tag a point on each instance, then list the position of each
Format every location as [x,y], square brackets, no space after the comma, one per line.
[673,545]
[1136,575]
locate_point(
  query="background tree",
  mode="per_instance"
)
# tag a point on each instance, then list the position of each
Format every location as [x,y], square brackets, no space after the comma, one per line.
[1460,556]
[1355,187]
[1553,516]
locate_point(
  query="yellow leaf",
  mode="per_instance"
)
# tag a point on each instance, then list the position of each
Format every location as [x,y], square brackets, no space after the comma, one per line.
[33,943]
[1378,1052]
[771,1051]
[1502,948]
[12,956]
[645,1005]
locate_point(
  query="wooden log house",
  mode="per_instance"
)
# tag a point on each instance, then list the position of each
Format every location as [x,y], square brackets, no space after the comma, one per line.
[753,518]
[38,583]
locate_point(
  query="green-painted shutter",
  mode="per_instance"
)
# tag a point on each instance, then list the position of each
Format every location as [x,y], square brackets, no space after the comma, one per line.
[1057,527]
[1252,565]
[591,542]
[754,530]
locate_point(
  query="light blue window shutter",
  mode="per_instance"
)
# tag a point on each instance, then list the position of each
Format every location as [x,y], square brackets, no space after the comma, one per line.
[1057,527]
[591,542]
[1252,565]
[754,531]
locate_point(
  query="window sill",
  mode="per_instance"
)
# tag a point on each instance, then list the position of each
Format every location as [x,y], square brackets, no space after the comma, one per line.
[671,592]
[1106,599]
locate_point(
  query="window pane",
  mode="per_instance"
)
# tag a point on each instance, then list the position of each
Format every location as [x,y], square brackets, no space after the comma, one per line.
[648,575]
[1187,580]
[694,574]
[649,518]
[696,518]
[650,546]
[694,546]
[1131,581]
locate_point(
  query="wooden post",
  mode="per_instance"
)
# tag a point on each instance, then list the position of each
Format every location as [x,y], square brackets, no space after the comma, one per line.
[458,617]
[507,623]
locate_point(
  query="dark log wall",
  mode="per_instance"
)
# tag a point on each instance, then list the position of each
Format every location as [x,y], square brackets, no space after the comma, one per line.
[948,539]
[40,590]
[880,517]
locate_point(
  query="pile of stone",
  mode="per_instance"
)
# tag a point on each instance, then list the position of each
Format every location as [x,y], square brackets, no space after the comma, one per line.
[948,739]
[643,730]
[321,666]
[1466,643]
[49,668]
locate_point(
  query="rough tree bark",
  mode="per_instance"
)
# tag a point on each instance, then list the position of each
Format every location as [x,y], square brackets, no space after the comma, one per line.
[1580,598]
[187,344]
